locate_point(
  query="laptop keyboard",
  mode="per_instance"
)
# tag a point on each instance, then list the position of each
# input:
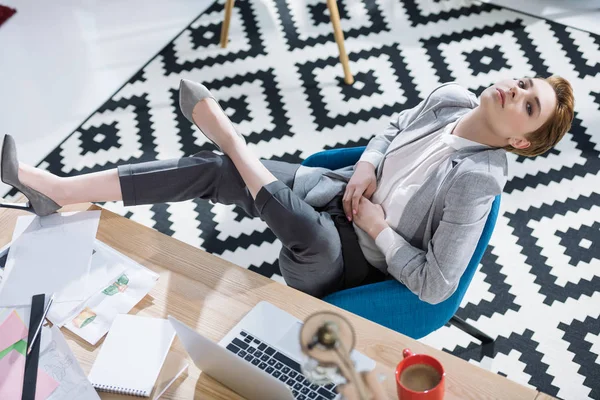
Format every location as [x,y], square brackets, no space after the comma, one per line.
[279,366]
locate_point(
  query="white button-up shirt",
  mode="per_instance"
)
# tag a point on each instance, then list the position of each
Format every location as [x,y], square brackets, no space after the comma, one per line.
[403,173]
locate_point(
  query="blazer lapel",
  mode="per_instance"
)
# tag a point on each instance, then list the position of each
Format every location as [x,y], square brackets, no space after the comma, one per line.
[421,208]
[425,124]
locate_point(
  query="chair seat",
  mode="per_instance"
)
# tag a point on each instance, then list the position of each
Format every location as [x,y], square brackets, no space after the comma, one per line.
[394,306]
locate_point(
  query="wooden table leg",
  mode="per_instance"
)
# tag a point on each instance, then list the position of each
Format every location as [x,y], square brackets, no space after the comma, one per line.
[226,20]
[334,15]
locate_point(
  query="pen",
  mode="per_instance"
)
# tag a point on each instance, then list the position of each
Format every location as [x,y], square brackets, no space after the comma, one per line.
[37,331]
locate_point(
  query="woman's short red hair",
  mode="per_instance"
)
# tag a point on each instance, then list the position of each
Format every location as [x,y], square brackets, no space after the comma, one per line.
[559,123]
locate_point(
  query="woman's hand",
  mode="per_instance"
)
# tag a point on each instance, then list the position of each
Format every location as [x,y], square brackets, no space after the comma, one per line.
[370,218]
[362,183]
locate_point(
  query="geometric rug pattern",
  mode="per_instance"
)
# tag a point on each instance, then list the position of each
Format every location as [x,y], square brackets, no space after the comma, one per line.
[538,287]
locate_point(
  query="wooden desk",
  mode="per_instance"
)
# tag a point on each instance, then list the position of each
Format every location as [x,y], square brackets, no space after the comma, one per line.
[544,396]
[212,295]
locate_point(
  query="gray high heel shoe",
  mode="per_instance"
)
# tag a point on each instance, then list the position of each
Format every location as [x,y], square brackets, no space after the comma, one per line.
[38,203]
[190,93]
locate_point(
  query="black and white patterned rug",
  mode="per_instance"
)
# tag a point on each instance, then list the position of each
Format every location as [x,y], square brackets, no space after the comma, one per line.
[538,289]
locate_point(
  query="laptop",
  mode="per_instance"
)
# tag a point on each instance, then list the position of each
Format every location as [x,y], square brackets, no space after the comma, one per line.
[259,357]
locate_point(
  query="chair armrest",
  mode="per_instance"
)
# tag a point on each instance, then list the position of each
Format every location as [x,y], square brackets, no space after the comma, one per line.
[335,158]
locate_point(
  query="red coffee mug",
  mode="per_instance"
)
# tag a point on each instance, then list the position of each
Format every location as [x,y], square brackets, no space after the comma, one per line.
[404,393]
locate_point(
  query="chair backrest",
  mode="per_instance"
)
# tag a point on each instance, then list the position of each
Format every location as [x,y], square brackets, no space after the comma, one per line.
[335,158]
[482,245]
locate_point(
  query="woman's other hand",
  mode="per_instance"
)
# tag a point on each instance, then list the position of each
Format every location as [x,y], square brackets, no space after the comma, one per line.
[370,218]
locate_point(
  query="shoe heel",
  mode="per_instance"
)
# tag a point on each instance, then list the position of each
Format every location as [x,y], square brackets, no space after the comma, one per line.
[38,203]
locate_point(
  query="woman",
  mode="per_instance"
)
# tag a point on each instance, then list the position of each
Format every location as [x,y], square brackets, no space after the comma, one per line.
[417,199]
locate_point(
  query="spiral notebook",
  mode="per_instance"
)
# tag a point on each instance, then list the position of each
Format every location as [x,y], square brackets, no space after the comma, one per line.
[132,355]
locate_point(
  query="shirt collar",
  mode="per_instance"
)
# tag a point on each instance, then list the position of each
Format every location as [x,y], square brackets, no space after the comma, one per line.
[457,142]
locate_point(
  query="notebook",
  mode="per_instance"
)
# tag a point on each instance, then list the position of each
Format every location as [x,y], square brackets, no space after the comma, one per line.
[132,355]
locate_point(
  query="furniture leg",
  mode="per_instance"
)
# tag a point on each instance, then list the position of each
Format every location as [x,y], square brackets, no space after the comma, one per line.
[226,21]
[334,15]
[471,330]
[487,343]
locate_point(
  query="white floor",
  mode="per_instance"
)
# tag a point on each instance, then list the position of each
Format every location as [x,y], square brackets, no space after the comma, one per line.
[62,59]
[582,14]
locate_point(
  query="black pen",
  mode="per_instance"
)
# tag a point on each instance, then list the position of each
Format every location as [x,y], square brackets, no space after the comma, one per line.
[37,331]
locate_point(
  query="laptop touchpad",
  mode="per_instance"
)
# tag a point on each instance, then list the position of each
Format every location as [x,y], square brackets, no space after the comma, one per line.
[290,342]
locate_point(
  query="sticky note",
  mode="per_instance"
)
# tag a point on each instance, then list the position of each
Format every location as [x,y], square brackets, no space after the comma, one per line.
[12,369]
[12,330]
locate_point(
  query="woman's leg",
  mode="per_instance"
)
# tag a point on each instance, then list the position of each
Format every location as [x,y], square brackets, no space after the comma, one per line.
[204,175]
[311,258]
[209,117]
[95,187]
[106,185]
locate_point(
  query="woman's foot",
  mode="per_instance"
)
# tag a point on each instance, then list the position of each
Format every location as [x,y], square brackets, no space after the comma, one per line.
[43,182]
[11,174]
[200,107]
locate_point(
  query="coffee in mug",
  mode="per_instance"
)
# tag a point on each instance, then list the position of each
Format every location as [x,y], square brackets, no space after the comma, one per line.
[420,377]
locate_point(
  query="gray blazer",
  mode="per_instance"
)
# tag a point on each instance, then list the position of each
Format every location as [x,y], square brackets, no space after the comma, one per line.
[443,221]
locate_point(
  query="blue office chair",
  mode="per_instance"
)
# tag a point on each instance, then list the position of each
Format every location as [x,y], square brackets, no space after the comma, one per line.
[390,303]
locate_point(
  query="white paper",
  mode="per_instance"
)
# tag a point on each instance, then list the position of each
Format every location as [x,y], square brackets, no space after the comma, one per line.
[96,315]
[106,266]
[59,362]
[52,255]
[23,312]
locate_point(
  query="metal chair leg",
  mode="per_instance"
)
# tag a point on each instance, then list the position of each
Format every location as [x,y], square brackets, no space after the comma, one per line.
[487,343]
[470,329]
[334,15]
[226,21]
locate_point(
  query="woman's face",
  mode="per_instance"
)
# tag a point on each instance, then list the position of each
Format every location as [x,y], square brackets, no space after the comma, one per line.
[517,107]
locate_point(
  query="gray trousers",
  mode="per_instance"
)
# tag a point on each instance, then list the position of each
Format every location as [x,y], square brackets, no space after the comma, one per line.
[311,257]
